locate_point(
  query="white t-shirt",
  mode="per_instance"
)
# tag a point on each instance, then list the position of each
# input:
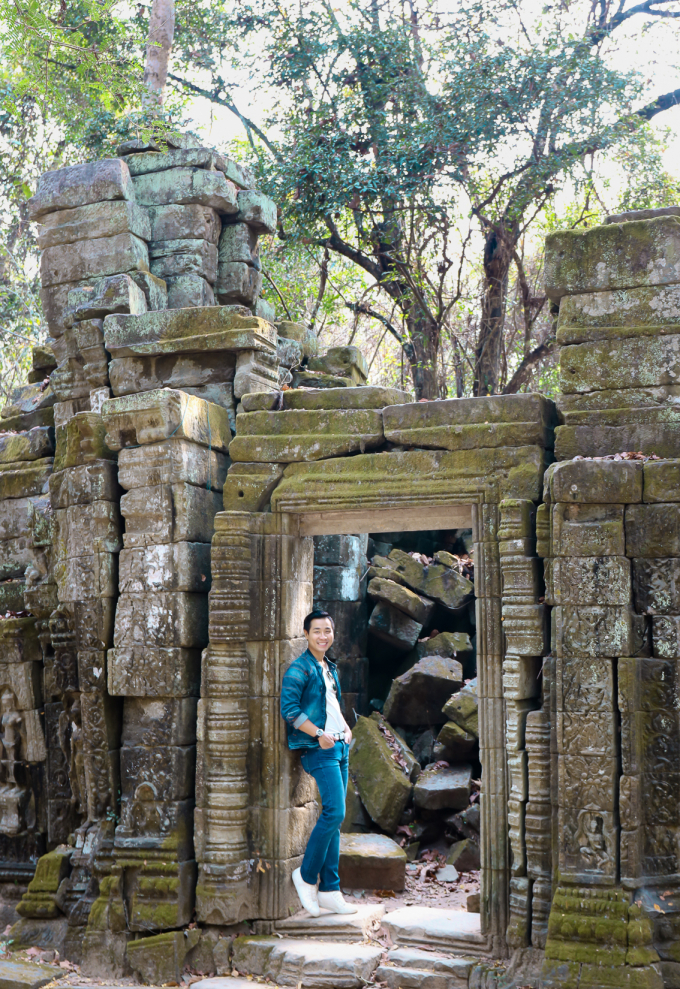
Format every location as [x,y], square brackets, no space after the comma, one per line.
[335,723]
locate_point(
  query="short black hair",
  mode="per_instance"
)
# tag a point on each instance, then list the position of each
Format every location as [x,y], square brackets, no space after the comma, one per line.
[313,615]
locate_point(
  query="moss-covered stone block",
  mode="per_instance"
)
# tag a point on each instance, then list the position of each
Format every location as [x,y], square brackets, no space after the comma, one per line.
[613,256]
[297,331]
[648,311]
[463,708]
[361,397]
[383,786]
[196,330]
[301,435]
[39,900]
[602,441]
[345,362]
[248,487]
[21,480]
[638,362]
[603,482]
[160,958]
[414,605]
[661,481]
[154,416]
[81,440]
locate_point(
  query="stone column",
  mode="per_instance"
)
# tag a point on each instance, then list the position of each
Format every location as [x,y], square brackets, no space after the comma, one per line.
[253,817]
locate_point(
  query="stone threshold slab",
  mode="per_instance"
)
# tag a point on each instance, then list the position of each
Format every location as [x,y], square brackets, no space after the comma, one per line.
[332,926]
[453,931]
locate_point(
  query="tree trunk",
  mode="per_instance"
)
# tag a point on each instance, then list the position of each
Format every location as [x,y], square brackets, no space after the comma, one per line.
[158,48]
[424,336]
[498,248]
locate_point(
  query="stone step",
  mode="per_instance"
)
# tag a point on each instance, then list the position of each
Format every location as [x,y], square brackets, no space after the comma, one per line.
[414,968]
[306,964]
[452,931]
[25,975]
[332,926]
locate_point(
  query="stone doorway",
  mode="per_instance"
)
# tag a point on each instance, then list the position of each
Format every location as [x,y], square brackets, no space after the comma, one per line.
[253,810]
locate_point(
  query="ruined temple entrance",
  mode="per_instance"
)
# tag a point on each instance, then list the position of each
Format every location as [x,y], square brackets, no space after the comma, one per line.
[262,588]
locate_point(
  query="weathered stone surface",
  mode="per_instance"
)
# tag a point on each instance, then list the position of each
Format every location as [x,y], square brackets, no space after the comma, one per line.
[158,415]
[449,644]
[160,958]
[65,263]
[460,424]
[25,399]
[416,607]
[102,219]
[383,786]
[393,626]
[302,378]
[174,221]
[256,370]
[464,855]
[416,697]
[588,530]
[171,461]
[333,583]
[455,742]
[603,482]
[356,820]
[169,258]
[342,551]
[238,242]
[129,375]
[361,397]
[185,155]
[656,586]
[78,185]
[81,440]
[441,787]
[656,399]
[286,437]
[22,480]
[186,186]
[308,963]
[145,670]
[26,518]
[237,282]
[289,354]
[614,256]
[31,445]
[298,331]
[661,481]
[165,619]
[436,581]
[652,530]
[640,362]
[248,487]
[265,310]
[591,580]
[189,291]
[27,975]
[413,968]
[599,441]
[165,513]
[345,362]
[257,210]
[462,708]
[371,861]
[597,631]
[177,566]
[209,329]
[623,313]
[85,484]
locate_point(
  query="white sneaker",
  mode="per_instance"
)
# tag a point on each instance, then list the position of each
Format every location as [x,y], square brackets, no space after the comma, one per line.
[335,902]
[306,893]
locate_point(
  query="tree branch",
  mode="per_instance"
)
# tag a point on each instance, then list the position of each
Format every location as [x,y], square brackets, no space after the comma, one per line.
[214,97]
[363,310]
[526,368]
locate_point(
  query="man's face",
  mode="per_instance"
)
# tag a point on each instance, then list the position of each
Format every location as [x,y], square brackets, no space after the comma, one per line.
[320,635]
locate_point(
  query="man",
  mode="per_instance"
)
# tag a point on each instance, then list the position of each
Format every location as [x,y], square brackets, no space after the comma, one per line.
[310,705]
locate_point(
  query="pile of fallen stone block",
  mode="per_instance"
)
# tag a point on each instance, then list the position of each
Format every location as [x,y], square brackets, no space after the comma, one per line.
[414,761]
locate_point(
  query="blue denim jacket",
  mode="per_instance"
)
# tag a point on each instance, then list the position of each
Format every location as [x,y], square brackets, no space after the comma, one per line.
[303,696]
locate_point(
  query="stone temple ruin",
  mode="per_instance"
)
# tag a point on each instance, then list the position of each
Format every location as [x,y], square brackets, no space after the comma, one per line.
[183,476]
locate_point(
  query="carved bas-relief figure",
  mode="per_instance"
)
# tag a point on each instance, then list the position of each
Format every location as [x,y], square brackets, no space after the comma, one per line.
[13,797]
[71,743]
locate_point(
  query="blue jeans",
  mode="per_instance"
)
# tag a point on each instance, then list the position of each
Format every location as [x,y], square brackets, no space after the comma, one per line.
[322,855]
